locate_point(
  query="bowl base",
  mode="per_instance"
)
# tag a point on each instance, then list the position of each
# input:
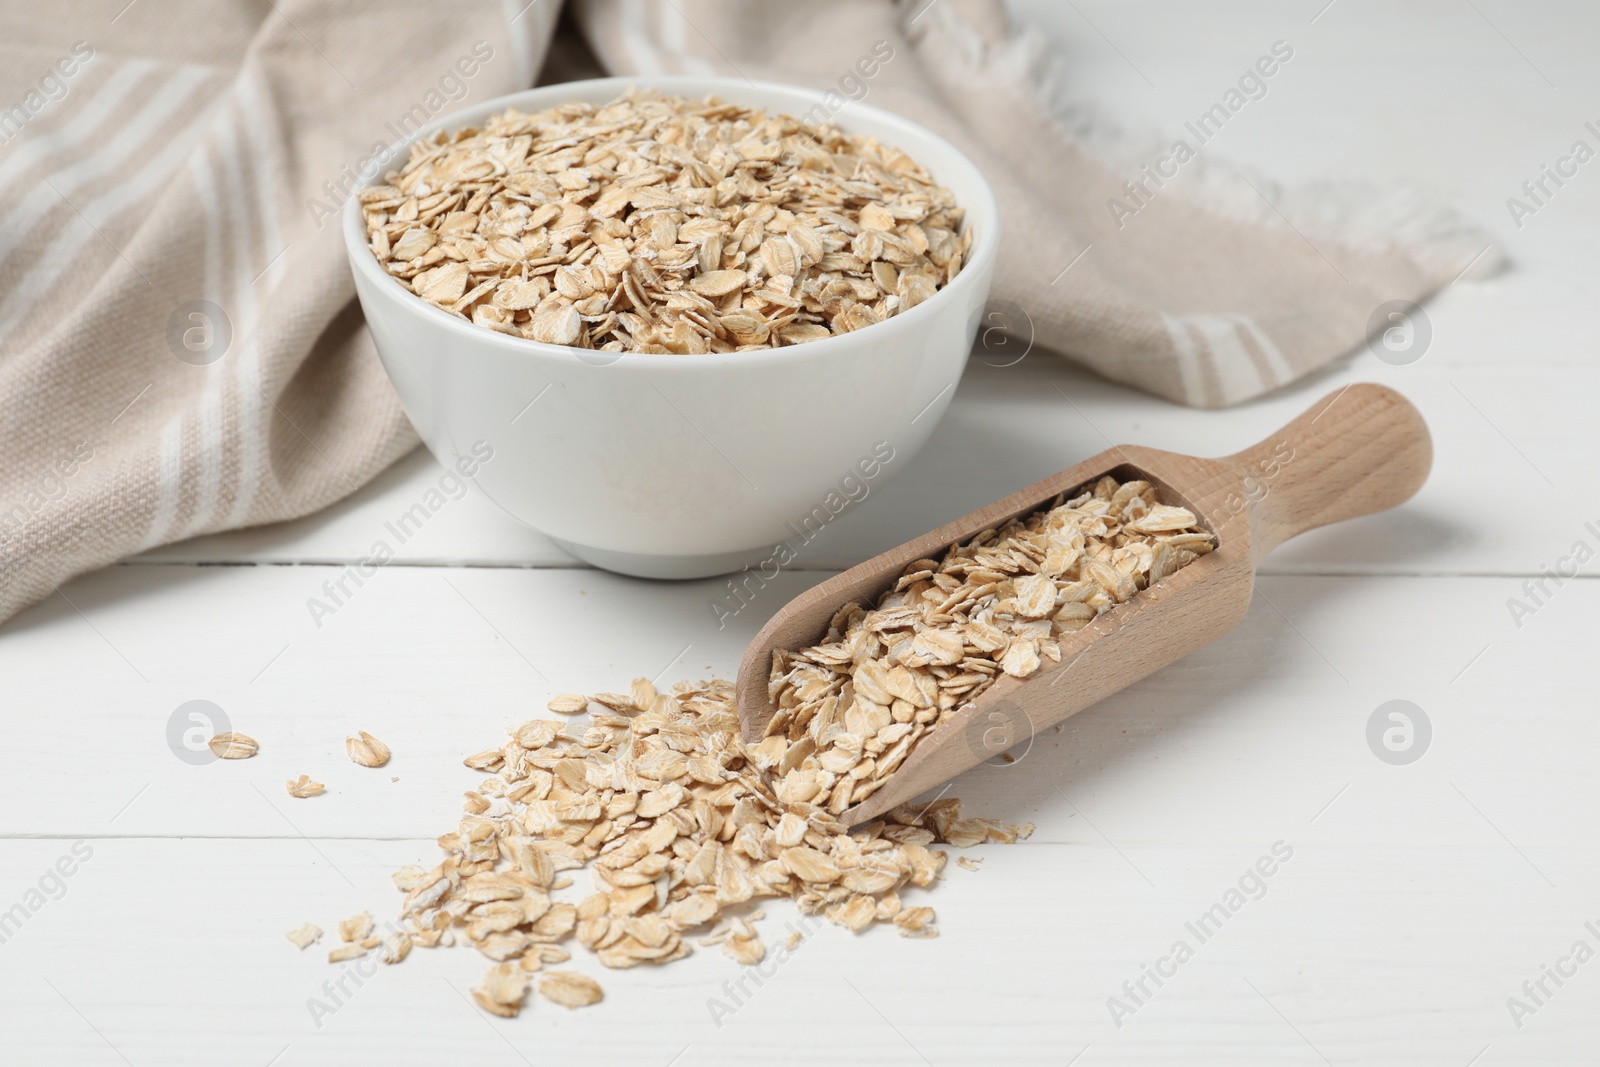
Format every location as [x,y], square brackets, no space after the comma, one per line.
[639,565]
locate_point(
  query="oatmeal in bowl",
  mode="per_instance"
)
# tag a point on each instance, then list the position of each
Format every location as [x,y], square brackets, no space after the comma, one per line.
[664,225]
[685,324]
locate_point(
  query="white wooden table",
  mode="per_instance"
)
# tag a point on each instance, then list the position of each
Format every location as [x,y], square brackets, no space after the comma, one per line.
[1418,898]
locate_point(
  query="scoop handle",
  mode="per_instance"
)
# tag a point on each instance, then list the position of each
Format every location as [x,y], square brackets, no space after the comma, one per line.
[1362,449]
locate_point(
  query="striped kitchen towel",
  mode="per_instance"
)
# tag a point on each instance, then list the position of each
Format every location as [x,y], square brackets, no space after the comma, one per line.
[180,350]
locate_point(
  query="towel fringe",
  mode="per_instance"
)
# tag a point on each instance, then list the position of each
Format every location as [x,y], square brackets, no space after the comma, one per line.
[1395,218]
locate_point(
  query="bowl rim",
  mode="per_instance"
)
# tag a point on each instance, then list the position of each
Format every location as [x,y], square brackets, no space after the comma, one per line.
[984,246]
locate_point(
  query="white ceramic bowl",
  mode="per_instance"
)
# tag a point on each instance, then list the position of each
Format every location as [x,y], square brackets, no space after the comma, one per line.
[680,466]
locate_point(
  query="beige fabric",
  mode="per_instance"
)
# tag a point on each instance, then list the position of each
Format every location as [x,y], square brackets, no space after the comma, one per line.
[195,151]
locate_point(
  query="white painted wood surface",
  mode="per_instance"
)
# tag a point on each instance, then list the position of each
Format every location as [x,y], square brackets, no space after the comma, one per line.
[1418,899]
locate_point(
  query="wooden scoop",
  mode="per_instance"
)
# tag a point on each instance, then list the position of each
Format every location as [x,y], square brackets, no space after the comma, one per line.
[1360,450]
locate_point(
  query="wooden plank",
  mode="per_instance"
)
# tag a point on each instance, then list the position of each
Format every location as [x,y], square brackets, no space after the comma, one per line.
[1498,431]
[467,530]
[171,952]
[1272,717]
